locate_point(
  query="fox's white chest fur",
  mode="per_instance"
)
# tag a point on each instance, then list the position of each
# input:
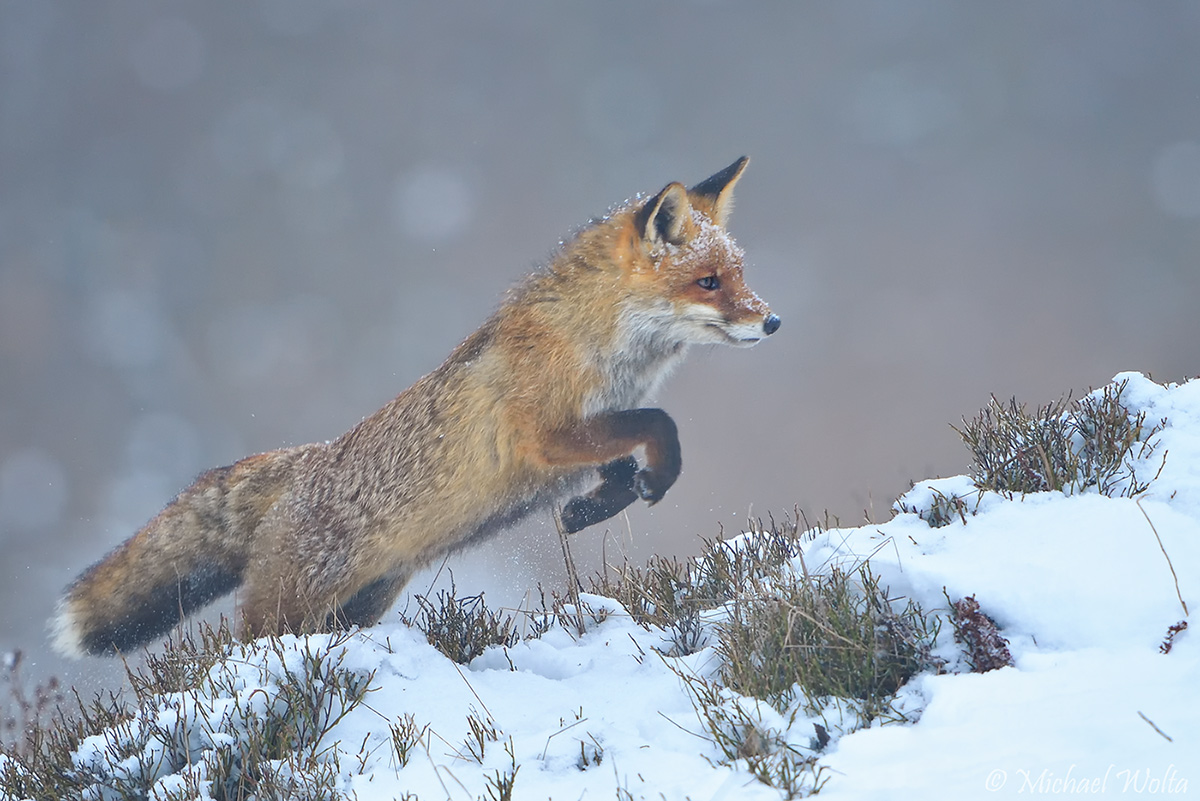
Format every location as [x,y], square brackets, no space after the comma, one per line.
[646,352]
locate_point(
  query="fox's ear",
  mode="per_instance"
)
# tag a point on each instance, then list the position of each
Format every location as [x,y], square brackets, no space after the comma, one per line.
[664,217]
[718,190]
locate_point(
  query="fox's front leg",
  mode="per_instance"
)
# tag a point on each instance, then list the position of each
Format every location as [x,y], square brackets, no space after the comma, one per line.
[608,440]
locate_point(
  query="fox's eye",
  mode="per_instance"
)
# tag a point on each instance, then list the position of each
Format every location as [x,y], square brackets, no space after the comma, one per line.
[709,282]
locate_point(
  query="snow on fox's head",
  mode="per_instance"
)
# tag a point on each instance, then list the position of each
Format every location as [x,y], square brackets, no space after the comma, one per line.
[689,270]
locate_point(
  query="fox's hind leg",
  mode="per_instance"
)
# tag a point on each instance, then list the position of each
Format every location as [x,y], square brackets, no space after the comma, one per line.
[366,606]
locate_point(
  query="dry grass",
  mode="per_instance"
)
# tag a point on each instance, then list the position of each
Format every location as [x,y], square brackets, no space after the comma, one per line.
[1070,446]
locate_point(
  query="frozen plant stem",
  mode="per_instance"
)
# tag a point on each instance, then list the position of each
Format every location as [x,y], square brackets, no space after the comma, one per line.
[573,583]
[1165,736]
[1178,594]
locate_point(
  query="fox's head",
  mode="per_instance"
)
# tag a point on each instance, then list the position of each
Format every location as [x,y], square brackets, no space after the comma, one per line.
[691,269]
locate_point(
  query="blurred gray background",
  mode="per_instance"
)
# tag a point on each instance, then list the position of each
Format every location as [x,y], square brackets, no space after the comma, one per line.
[227,227]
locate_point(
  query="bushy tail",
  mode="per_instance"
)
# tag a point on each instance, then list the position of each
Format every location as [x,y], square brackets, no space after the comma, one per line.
[193,552]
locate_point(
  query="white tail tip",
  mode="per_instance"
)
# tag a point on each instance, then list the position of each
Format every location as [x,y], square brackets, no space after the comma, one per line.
[64,631]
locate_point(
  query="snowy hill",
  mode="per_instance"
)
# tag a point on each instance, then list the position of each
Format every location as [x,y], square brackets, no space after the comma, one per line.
[1088,589]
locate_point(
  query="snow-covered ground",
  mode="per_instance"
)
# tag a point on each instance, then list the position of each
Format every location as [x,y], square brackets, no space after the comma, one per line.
[1080,585]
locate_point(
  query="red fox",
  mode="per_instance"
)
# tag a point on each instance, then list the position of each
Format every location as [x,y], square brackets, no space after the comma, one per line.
[547,393]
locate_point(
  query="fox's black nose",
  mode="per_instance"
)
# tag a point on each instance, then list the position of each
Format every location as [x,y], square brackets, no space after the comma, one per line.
[771,324]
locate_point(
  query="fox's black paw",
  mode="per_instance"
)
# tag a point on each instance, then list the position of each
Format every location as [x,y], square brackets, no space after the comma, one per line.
[616,491]
[652,485]
[581,512]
